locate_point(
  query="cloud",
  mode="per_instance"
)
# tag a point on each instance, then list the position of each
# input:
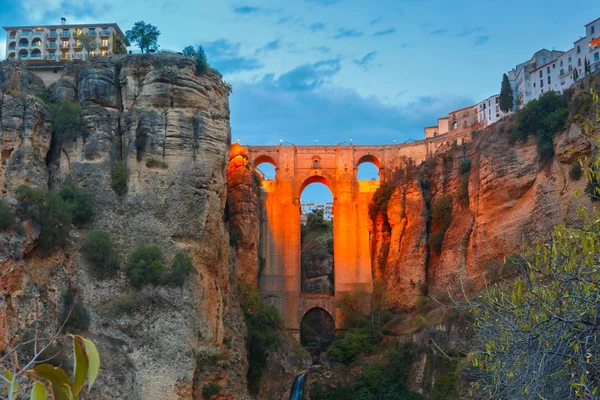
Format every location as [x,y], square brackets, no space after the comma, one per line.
[323,49]
[469,31]
[225,56]
[440,31]
[271,46]
[324,2]
[385,32]
[481,40]
[262,113]
[245,10]
[404,45]
[318,26]
[376,21]
[348,33]
[305,77]
[365,62]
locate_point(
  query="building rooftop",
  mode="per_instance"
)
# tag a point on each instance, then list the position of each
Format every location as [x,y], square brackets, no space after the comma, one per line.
[66,26]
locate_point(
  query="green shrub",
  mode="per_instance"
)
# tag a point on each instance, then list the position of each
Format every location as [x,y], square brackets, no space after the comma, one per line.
[263,323]
[118,178]
[7,217]
[576,171]
[67,121]
[442,212]
[181,268]
[420,322]
[50,212]
[74,313]
[234,237]
[380,200]
[465,173]
[79,203]
[211,389]
[98,250]
[145,266]
[346,347]
[543,118]
[423,304]
[465,166]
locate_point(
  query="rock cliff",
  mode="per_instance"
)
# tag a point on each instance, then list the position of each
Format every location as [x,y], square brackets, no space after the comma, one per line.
[509,198]
[171,130]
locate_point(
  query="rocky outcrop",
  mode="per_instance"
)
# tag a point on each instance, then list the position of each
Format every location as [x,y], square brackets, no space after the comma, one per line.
[171,130]
[512,199]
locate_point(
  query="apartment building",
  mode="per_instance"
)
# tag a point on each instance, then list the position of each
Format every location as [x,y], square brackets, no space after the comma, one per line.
[488,111]
[64,42]
[308,207]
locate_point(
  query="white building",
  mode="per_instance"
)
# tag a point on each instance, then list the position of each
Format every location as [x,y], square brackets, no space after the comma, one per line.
[488,111]
[308,207]
[557,70]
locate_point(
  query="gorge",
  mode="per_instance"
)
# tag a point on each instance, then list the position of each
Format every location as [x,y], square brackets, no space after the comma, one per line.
[444,214]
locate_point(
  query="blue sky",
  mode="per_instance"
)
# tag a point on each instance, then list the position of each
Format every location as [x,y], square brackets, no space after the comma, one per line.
[330,70]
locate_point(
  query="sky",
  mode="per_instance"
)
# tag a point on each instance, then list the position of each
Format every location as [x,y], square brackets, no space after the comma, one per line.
[327,71]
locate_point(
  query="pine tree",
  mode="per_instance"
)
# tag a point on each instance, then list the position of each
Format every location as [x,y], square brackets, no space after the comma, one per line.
[506,95]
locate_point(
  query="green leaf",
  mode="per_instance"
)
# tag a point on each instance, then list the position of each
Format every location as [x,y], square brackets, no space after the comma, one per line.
[58,378]
[81,364]
[38,392]
[94,361]
[62,392]
[8,375]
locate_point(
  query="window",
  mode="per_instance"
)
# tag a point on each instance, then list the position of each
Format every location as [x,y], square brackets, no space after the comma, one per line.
[597,56]
[65,32]
[578,49]
[541,73]
[548,69]
[316,164]
[533,84]
[52,44]
[592,29]
[553,65]
[104,42]
[569,59]
[541,83]
[77,43]
[579,62]
[52,55]
[549,81]
[103,52]
[561,63]
[78,31]
[570,68]
[93,31]
[562,72]
[65,43]
[52,32]
[26,33]
[562,83]
[92,53]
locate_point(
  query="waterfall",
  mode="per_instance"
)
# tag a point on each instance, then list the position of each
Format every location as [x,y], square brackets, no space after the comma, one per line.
[298,388]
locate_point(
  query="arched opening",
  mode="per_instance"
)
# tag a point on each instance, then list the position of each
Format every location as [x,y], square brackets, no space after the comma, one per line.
[368,168]
[37,42]
[23,42]
[12,46]
[266,167]
[22,53]
[11,55]
[316,239]
[317,330]
[36,53]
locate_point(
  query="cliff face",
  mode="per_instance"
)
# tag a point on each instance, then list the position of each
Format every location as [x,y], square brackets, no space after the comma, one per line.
[171,129]
[512,199]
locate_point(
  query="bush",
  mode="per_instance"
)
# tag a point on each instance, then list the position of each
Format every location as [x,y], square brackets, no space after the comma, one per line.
[97,249]
[67,121]
[576,171]
[380,200]
[211,389]
[420,322]
[423,304]
[145,266]
[543,118]
[346,347]
[79,203]
[50,212]
[7,217]
[199,55]
[118,178]
[442,213]
[263,323]
[181,268]
[465,173]
[78,320]
[234,237]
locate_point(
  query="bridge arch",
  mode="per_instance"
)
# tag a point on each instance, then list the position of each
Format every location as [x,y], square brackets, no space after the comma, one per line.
[317,329]
[318,178]
[369,158]
[263,158]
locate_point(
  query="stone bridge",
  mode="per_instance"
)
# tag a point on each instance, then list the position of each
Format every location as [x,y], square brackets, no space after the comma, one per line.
[336,167]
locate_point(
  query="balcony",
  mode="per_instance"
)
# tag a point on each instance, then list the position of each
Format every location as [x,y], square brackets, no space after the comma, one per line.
[64,46]
[12,37]
[52,34]
[65,34]
[12,48]
[51,46]
[23,44]
[105,32]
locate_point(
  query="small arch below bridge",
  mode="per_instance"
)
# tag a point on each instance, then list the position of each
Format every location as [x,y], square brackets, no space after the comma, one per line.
[317,331]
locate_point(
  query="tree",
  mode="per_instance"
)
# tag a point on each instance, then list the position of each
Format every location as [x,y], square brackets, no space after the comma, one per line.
[144,35]
[588,67]
[199,55]
[536,336]
[506,95]
[575,75]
